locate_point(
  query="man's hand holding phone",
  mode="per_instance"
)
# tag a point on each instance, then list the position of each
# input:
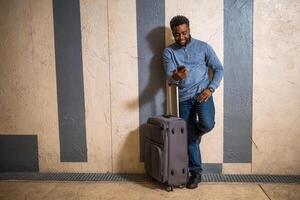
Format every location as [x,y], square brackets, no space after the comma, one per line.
[181,72]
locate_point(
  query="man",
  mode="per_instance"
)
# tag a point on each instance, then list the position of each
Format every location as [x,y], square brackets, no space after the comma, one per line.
[186,62]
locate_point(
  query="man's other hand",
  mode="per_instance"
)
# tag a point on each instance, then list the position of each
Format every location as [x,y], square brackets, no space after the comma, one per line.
[205,94]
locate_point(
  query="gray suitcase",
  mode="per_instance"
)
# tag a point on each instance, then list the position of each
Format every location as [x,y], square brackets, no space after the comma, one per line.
[166,154]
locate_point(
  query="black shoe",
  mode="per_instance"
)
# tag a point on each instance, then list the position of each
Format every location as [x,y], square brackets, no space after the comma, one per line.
[193,181]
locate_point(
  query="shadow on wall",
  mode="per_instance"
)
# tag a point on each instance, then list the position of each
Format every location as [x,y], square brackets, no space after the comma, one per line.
[156,76]
[151,76]
[152,92]
[156,80]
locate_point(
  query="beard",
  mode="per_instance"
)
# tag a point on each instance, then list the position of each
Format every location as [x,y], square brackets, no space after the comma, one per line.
[185,42]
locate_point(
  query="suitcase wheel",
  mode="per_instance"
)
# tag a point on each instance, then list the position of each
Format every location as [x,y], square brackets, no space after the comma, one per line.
[169,188]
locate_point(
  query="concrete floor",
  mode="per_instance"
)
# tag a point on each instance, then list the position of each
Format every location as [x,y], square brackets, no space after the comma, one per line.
[54,190]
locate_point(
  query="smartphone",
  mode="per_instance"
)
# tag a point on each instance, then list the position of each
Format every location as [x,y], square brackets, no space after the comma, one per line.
[180,68]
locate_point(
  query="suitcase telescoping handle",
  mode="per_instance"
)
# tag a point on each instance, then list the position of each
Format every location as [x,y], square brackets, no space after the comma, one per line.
[172,95]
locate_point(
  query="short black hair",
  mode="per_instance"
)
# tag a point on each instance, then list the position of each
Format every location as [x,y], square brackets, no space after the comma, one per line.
[178,20]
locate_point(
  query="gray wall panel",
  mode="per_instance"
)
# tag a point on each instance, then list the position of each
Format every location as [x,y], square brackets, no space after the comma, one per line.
[151,42]
[212,168]
[19,153]
[69,72]
[238,84]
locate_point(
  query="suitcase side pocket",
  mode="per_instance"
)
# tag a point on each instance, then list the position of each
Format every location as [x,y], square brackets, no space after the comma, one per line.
[157,162]
[154,160]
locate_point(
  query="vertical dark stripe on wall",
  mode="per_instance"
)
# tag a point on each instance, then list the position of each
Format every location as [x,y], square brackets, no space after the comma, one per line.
[151,42]
[19,153]
[238,85]
[69,74]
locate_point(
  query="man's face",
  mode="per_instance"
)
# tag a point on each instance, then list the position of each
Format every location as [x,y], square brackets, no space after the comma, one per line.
[181,34]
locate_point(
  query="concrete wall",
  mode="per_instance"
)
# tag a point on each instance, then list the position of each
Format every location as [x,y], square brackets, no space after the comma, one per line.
[276,94]
[117,65]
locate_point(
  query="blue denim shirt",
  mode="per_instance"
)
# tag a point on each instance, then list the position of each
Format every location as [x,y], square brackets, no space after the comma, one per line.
[197,56]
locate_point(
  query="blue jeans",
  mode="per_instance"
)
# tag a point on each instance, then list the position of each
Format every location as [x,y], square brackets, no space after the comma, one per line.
[206,113]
